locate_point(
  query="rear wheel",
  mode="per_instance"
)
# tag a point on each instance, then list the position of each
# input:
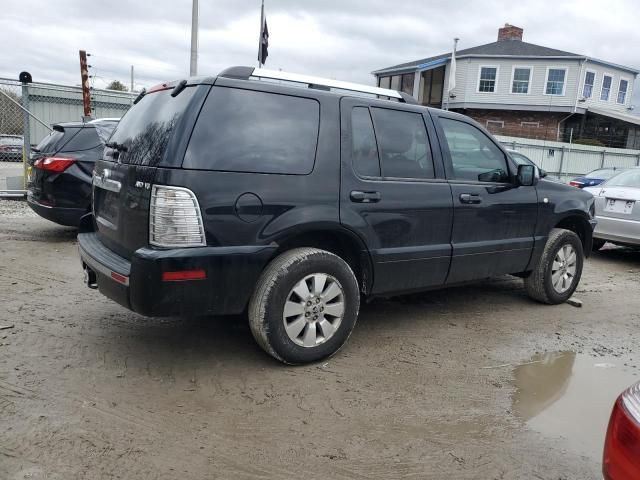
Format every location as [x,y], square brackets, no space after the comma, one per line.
[558,272]
[305,306]
[598,244]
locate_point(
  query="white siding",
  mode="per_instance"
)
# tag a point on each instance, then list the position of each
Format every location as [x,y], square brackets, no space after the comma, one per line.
[467,72]
[611,104]
[467,82]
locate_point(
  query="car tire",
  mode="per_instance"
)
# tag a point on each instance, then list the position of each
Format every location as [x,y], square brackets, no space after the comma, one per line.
[558,271]
[598,244]
[305,306]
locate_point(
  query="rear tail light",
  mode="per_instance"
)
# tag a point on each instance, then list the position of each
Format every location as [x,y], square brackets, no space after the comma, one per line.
[621,460]
[575,184]
[174,218]
[54,164]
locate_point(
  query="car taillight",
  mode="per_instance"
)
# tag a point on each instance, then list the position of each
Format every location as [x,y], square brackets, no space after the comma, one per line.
[621,460]
[54,164]
[174,218]
[575,184]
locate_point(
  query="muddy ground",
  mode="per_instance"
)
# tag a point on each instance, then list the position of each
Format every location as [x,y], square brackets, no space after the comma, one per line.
[467,383]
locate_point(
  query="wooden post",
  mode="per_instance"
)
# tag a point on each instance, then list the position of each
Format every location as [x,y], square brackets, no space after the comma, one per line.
[84,75]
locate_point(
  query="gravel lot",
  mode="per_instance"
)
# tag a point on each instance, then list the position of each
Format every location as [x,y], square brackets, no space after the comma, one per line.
[475,382]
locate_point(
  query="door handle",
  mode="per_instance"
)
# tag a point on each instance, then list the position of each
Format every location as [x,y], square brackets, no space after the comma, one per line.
[365,197]
[472,198]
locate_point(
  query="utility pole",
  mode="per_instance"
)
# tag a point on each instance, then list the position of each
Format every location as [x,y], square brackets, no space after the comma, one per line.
[193,69]
[131,90]
[84,75]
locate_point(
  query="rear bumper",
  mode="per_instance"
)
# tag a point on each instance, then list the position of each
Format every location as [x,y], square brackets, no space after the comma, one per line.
[231,275]
[618,230]
[62,216]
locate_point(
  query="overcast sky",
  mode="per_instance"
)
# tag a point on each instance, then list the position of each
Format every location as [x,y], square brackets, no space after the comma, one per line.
[343,39]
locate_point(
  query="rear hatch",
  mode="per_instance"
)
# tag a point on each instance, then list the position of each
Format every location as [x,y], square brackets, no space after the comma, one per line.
[153,133]
[48,147]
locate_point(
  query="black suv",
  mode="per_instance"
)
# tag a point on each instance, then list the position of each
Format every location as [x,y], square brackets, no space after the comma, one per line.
[248,193]
[60,169]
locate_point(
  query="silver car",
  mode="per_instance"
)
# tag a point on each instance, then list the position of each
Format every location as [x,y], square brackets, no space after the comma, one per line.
[618,209]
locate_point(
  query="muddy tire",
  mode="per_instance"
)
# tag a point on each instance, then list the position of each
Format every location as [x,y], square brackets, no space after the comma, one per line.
[305,306]
[558,272]
[598,244]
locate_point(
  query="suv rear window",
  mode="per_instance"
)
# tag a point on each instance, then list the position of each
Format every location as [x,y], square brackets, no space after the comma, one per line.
[146,128]
[85,139]
[248,131]
[55,140]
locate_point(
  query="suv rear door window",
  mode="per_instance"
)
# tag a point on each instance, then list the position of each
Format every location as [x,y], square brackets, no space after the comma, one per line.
[404,145]
[364,150]
[56,139]
[249,131]
[85,139]
[146,128]
[473,155]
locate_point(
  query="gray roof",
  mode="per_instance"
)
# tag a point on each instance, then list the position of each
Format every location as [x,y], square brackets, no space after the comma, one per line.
[510,48]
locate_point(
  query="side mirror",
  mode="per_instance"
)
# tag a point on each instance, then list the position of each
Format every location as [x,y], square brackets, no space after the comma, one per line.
[543,173]
[528,175]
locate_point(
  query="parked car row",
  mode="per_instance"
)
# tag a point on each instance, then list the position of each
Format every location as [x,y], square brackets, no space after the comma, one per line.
[223,195]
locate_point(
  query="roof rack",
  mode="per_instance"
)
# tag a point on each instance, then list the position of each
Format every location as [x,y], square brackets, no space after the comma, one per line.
[314,82]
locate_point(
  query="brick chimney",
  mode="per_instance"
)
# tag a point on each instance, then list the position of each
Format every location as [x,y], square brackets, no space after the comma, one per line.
[509,32]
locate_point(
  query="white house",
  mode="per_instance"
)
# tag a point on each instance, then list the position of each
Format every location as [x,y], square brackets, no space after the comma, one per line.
[518,88]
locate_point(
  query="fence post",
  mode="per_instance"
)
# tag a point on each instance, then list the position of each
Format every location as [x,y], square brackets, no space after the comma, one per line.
[602,159]
[26,132]
[561,162]
[638,161]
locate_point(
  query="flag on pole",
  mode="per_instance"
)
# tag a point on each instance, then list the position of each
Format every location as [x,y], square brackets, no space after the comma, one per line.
[452,71]
[263,48]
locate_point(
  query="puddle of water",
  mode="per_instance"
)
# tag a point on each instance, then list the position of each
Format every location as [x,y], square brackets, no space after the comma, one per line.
[569,396]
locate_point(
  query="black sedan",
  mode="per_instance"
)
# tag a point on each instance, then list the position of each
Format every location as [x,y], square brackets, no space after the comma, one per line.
[60,169]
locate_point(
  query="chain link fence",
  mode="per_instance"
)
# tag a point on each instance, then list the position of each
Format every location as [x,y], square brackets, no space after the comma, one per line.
[27,112]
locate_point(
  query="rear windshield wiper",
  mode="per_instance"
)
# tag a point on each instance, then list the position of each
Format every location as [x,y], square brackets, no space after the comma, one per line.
[116,146]
[178,88]
[140,95]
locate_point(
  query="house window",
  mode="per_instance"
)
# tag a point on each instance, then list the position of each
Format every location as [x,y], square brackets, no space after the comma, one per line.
[530,124]
[606,87]
[407,83]
[395,82]
[488,77]
[521,79]
[385,82]
[555,81]
[622,91]
[493,124]
[589,81]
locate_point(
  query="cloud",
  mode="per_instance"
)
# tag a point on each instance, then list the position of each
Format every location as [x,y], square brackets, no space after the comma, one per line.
[344,39]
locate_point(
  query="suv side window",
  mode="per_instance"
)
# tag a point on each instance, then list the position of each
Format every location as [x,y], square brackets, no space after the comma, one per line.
[250,131]
[364,150]
[473,155]
[404,145]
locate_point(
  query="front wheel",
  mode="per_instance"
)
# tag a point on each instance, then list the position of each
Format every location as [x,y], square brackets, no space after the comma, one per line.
[305,306]
[558,272]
